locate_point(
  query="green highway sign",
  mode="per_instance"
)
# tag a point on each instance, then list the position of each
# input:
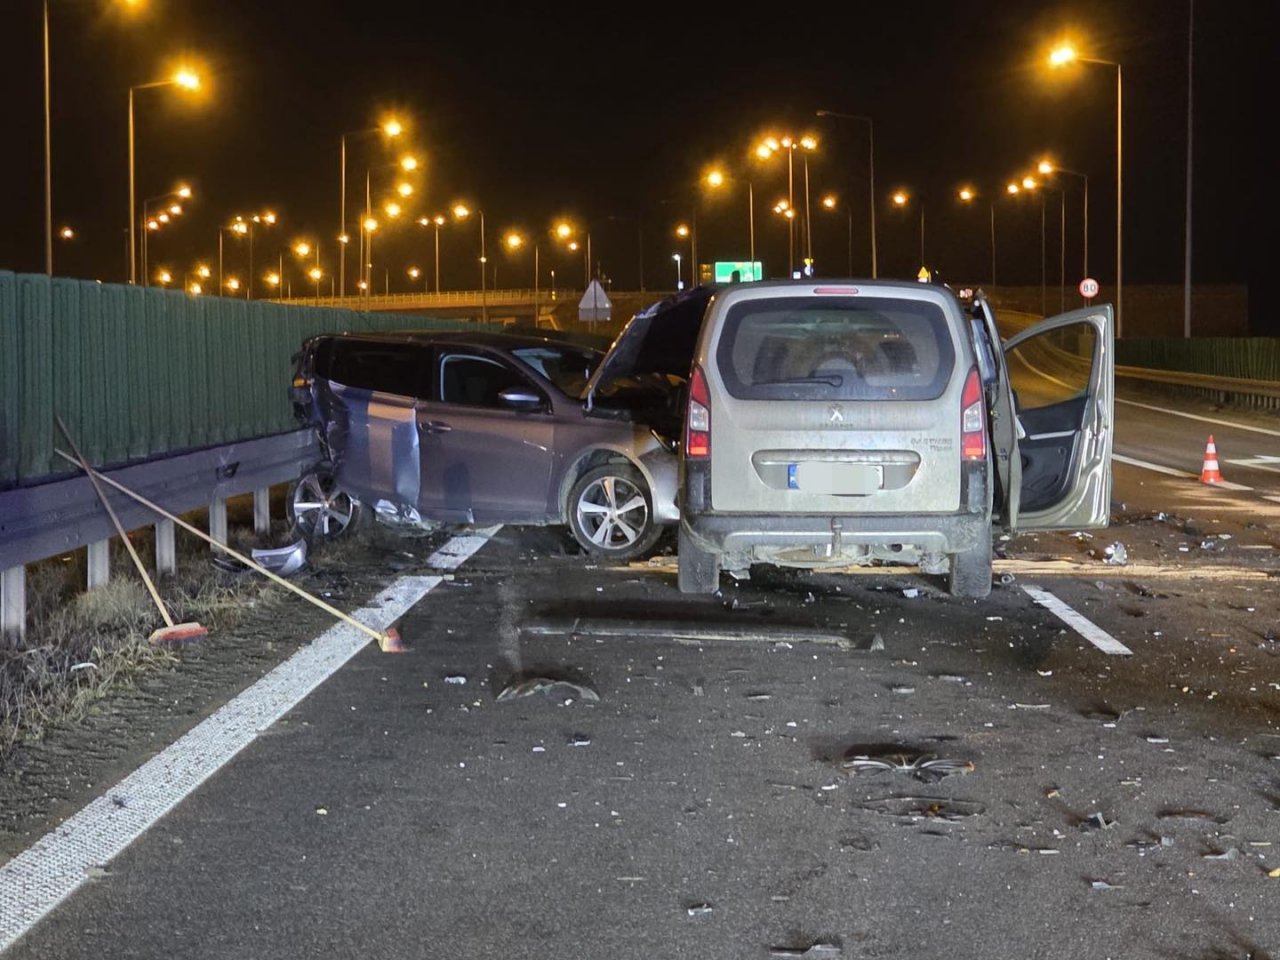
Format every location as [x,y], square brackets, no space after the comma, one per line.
[725,269]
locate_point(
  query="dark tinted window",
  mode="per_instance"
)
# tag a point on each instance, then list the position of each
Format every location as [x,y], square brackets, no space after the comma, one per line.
[398,368]
[835,348]
[568,367]
[477,381]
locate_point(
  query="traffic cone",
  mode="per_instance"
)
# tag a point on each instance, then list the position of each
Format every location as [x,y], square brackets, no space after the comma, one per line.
[1209,472]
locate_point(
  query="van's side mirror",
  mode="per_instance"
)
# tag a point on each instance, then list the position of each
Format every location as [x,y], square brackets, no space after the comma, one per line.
[519,398]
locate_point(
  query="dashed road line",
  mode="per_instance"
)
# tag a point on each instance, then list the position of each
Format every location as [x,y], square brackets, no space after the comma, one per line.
[1080,624]
[35,881]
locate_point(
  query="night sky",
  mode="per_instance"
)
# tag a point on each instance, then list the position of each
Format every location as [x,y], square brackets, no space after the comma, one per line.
[609,114]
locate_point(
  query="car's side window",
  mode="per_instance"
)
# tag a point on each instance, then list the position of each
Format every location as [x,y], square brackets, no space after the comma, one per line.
[477,381]
[370,365]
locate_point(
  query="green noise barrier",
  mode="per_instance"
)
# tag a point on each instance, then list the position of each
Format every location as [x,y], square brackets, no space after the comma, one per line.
[144,372]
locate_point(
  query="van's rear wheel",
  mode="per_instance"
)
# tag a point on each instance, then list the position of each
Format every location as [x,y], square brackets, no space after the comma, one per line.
[971,571]
[318,510]
[698,569]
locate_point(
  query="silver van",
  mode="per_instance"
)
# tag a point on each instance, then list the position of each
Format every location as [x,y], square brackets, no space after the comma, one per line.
[830,423]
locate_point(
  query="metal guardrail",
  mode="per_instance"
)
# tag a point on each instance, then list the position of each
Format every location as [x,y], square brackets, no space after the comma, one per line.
[48,519]
[1226,385]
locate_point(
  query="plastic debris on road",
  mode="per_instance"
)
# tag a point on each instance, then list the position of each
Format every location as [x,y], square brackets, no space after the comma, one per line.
[699,909]
[456,679]
[923,766]
[564,690]
[1116,555]
[817,951]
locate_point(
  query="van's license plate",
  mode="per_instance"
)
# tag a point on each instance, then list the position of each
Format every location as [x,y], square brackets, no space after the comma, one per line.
[825,476]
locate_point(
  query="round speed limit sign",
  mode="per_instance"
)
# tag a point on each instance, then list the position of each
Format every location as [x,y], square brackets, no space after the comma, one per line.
[1088,288]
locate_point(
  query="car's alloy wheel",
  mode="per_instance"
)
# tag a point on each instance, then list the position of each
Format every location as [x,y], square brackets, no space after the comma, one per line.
[611,513]
[318,510]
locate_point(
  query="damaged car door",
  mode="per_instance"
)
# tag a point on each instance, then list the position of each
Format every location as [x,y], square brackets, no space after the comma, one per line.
[369,407]
[486,436]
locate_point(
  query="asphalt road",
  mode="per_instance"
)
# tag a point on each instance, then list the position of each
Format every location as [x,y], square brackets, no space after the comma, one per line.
[1117,806]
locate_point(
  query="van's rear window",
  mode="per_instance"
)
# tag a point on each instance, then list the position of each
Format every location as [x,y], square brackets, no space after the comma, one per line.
[835,348]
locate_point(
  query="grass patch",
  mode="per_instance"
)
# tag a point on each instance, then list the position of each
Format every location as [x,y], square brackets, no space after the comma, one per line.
[81,645]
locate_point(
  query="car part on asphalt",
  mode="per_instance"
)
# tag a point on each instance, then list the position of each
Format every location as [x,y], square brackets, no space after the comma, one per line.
[388,640]
[564,690]
[171,632]
[285,561]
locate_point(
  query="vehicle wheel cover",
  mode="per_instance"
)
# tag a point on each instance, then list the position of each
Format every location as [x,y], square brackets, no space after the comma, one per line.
[320,509]
[612,513]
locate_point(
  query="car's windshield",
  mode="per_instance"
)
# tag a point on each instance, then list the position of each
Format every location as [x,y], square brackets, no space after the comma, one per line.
[567,367]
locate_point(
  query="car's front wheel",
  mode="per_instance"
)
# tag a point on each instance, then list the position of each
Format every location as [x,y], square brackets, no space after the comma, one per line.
[318,510]
[611,513]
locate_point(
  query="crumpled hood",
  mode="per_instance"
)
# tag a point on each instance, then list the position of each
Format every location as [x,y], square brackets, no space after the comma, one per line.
[659,339]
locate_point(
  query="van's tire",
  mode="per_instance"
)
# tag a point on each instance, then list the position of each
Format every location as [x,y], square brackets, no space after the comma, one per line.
[318,511]
[610,513]
[698,569]
[971,571]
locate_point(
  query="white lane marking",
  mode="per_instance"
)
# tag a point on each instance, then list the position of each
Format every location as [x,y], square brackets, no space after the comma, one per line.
[1170,471]
[1081,625]
[43,875]
[1273,499]
[1270,464]
[1195,416]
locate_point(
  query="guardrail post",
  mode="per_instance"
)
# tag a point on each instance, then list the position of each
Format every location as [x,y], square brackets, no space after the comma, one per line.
[99,565]
[218,520]
[262,511]
[13,606]
[166,549]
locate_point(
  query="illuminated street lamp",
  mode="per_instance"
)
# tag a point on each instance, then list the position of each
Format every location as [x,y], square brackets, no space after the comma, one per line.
[233,284]
[969,195]
[716,179]
[390,127]
[806,144]
[153,224]
[438,221]
[832,202]
[1061,56]
[195,288]
[460,212]
[871,174]
[66,233]
[184,79]
[164,278]
[902,199]
[408,163]
[1048,168]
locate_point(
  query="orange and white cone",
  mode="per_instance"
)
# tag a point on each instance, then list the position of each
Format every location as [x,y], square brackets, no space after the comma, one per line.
[1209,473]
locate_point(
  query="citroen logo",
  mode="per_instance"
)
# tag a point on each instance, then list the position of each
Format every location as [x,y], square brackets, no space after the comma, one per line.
[835,414]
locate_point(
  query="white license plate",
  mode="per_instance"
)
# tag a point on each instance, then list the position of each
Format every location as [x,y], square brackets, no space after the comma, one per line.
[825,476]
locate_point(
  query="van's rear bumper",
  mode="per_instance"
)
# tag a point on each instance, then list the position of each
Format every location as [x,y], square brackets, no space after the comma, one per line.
[741,537]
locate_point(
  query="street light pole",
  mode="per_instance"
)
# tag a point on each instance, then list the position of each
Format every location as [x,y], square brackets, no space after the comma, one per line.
[484,297]
[48,157]
[871,175]
[751,225]
[1186,270]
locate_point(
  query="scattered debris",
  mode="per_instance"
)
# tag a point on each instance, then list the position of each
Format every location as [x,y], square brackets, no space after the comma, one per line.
[564,690]
[1186,813]
[1143,847]
[877,643]
[921,765]
[282,561]
[699,909]
[1116,555]
[1104,885]
[1156,738]
[903,689]
[321,812]
[86,665]
[933,808]
[1028,706]
[456,679]
[911,593]
[1096,821]
[816,951]
[579,740]
[1274,874]
[1230,853]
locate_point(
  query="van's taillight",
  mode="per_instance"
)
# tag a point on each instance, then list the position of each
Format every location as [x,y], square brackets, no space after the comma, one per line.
[973,427]
[697,437]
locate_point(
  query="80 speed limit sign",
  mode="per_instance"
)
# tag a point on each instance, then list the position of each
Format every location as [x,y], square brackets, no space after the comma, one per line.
[1088,288]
